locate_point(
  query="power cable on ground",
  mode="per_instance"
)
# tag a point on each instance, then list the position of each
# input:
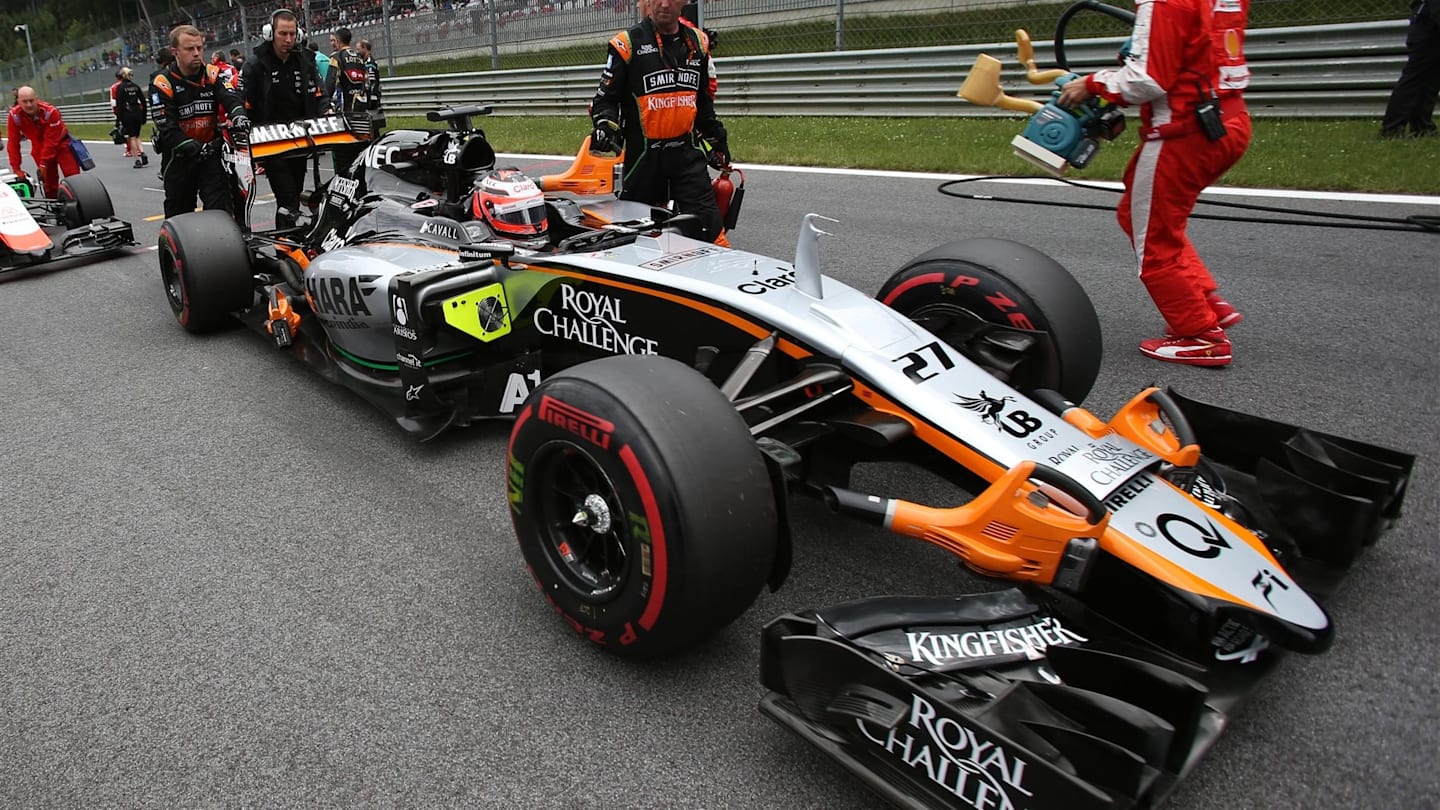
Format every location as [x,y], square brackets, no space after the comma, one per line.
[1416,223]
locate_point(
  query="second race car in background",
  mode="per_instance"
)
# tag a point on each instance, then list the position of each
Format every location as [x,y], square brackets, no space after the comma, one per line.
[80,221]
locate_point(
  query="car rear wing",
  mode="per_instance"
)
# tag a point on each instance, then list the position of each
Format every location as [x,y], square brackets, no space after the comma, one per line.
[309,135]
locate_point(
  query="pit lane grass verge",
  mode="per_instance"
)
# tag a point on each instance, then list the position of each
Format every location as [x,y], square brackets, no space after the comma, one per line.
[1321,155]
[1318,155]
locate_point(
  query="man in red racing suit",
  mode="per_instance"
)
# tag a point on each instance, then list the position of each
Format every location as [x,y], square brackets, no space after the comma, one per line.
[653,90]
[186,101]
[49,140]
[1184,55]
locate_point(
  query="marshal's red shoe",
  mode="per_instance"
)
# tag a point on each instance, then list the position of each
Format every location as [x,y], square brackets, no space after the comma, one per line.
[1209,348]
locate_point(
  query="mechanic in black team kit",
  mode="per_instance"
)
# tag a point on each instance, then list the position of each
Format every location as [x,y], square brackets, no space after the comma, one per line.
[347,87]
[281,85]
[372,81]
[652,101]
[186,100]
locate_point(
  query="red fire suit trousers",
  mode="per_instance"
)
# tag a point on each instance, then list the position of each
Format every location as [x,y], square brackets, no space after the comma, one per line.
[1162,182]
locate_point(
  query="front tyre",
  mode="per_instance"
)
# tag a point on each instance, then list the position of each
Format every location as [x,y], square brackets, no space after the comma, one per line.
[86,200]
[962,290]
[641,504]
[205,267]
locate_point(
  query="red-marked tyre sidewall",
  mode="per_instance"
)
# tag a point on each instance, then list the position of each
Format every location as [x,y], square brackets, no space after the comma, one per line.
[1008,284]
[677,520]
[88,200]
[205,270]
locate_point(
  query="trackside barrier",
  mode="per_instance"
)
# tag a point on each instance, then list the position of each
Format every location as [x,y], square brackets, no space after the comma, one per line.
[1323,71]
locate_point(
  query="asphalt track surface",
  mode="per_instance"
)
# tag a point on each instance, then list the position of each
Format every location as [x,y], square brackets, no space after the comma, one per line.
[225,582]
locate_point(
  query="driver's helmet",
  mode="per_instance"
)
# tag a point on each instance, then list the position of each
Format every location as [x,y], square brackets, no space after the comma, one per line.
[510,203]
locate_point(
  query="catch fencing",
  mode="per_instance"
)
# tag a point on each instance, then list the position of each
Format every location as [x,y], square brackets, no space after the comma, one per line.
[1295,73]
[463,35]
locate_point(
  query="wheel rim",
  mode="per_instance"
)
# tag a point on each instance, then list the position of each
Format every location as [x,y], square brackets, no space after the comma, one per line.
[582,525]
[65,195]
[174,293]
[943,315]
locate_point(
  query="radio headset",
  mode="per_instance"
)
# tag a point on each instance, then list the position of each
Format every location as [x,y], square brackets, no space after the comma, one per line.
[268,32]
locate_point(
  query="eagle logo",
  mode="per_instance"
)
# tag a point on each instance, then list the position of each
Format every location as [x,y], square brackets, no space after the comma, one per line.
[987,406]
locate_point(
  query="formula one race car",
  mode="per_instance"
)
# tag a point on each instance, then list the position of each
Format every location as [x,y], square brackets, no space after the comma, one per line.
[79,222]
[670,395]
[1160,584]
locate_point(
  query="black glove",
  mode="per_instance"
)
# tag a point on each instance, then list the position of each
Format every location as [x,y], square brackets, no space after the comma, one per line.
[606,137]
[718,155]
[240,121]
[187,149]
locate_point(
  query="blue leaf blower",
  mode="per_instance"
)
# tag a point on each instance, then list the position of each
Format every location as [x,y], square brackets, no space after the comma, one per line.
[1055,137]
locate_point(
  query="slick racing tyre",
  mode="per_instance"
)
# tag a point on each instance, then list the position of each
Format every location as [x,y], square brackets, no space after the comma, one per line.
[642,505]
[205,267]
[960,290]
[86,200]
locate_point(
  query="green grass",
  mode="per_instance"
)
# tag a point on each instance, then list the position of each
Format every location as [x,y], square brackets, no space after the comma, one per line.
[1285,153]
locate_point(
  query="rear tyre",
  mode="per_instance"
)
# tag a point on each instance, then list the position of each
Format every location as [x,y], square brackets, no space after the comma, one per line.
[962,290]
[205,267]
[641,503]
[86,200]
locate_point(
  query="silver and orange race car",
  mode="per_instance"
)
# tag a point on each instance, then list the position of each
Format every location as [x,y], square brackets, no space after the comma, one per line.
[670,396]
[1165,556]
